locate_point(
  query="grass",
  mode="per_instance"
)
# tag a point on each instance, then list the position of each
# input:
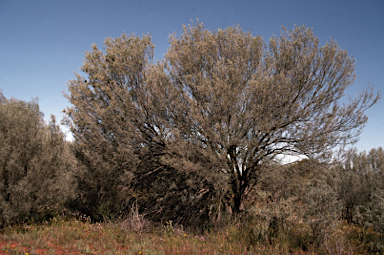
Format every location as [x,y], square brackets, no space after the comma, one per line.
[74,236]
[62,236]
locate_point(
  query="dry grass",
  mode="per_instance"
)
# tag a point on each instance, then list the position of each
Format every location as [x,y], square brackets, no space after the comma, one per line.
[60,236]
[74,236]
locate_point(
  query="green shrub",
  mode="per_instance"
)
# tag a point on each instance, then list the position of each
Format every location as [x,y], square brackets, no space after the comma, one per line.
[36,178]
[361,193]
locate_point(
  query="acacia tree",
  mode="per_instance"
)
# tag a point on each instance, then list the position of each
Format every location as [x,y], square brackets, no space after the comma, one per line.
[120,125]
[246,102]
[108,121]
[223,103]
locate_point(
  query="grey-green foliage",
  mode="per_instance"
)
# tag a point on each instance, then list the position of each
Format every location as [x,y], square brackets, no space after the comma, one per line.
[362,189]
[110,126]
[178,195]
[302,193]
[124,143]
[219,106]
[316,196]
[244,101]
[35,163]
[318,201]
[320,209]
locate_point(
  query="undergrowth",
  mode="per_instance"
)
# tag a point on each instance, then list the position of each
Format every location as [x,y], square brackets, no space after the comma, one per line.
[79,235]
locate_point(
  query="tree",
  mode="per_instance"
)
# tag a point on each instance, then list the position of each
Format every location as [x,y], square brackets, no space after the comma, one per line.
[245,104]
[221,103]
[120,125]
[36,166]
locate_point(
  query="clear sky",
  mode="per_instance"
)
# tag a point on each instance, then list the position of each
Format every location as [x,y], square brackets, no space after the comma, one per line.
[42,43]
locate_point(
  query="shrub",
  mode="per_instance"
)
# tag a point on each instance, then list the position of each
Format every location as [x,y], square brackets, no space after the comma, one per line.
[36,177]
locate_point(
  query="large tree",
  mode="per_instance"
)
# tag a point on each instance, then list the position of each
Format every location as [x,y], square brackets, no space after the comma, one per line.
[221,103]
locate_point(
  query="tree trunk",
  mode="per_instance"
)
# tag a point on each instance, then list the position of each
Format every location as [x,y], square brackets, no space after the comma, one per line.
[238,204]
[238,188]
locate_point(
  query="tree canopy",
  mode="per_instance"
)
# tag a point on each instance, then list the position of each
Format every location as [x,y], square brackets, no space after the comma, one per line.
[219,107]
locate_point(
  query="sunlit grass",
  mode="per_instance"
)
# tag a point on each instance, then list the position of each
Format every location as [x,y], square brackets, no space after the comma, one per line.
[80,237]
[73,236]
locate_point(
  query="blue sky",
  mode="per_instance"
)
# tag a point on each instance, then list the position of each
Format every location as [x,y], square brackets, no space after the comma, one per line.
[42,43]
